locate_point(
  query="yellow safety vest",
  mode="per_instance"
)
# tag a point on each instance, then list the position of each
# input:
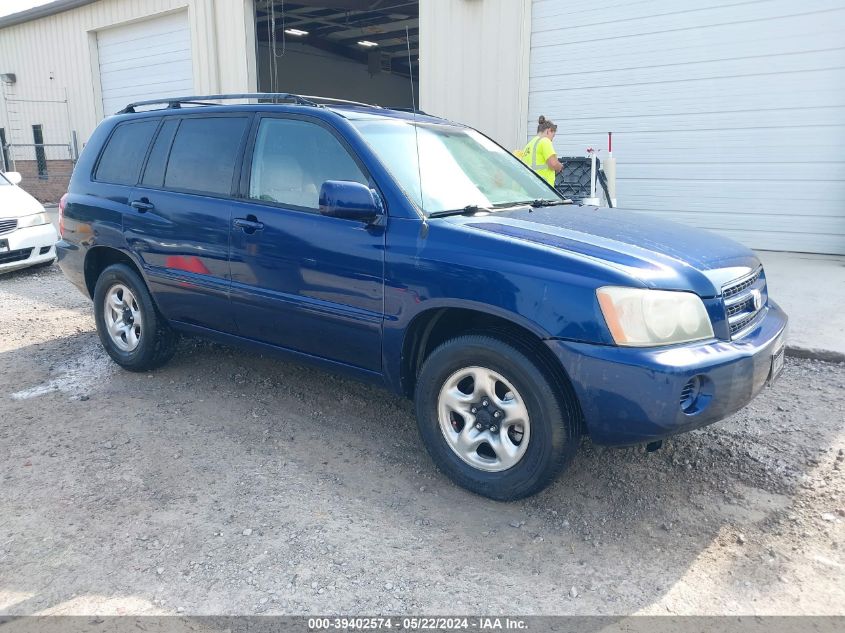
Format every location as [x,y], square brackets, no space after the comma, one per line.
[529,157]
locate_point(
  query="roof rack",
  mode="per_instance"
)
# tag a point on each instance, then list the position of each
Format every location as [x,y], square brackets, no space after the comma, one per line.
[202,100]
[330,100]
[411,110]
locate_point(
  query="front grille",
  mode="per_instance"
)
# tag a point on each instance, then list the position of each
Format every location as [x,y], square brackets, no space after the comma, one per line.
[744,300]
[742,284]
[739,308]
[741,324]
[8,225]
[15,256]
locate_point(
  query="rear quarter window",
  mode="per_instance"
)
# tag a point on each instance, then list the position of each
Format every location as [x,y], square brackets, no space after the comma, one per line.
[204,155]
[120,162]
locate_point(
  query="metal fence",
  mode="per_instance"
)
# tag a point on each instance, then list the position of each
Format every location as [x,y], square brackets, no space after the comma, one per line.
[37,138]
[46,159]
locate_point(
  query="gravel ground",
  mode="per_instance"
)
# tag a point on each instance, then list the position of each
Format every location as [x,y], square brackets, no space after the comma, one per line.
[227,483]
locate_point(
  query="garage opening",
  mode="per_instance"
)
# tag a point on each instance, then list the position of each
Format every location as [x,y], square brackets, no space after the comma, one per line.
[344,49]
[163,68]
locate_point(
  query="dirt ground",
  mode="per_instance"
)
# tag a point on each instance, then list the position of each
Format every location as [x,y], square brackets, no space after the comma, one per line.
[227,483]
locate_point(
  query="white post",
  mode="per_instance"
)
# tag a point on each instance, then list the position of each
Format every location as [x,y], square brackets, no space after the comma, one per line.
[608,165]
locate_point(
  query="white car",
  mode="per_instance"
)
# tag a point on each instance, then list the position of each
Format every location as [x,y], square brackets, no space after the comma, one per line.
[27,237]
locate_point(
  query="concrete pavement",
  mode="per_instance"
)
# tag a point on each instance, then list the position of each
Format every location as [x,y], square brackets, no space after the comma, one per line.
[811,289]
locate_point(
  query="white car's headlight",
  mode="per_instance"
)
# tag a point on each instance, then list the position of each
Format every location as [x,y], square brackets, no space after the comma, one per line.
[36,219]
[638,317]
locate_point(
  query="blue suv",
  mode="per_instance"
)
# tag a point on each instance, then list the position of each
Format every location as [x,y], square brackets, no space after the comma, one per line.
[418,254]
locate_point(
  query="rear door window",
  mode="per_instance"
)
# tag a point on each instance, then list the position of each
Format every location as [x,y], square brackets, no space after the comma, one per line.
[120,162]
[293,158]
[157,162]
[204,155]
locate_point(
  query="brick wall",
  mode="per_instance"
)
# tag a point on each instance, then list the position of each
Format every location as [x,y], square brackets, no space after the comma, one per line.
[48,189]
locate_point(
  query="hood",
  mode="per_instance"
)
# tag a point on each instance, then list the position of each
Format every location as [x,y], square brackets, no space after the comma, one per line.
[15,202]
[658,253]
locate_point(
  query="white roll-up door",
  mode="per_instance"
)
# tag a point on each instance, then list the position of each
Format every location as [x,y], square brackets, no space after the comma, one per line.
[726,115]
[145,60]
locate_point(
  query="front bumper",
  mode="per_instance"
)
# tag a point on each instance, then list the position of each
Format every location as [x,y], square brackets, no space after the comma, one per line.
[630,395]
[25,247]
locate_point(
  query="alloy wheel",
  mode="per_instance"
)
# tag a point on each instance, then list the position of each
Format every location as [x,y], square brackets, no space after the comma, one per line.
[483,419]
[123,318]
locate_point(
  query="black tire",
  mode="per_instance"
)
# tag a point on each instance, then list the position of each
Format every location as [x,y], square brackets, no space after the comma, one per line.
[157,342]
[553,413]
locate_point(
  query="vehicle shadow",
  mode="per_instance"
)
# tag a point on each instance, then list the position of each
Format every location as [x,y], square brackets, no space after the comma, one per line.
[227,482]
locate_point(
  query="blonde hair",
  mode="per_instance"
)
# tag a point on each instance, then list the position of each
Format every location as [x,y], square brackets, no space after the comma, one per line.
[544,124]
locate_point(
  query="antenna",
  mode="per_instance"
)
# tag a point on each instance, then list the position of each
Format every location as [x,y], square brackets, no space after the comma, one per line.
[414,109]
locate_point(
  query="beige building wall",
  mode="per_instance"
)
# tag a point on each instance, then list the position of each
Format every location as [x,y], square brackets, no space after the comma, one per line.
[57,55]
[474,57]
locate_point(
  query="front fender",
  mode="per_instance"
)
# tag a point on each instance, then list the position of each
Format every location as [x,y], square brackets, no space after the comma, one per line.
[428,266]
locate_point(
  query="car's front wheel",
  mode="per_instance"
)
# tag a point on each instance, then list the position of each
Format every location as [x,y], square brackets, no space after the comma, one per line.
[493,418]
[130,328]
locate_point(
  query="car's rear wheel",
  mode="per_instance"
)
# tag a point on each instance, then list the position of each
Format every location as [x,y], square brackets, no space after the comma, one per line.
[130,328]
[493,418]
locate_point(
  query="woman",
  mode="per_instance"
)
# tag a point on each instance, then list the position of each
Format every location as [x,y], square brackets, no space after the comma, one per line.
[540,154]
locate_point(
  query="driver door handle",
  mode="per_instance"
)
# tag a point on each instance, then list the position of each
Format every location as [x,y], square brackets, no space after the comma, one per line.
[249,224]
[142,205]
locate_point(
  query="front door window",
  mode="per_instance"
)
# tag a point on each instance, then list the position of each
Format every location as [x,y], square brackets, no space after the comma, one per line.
[293,158]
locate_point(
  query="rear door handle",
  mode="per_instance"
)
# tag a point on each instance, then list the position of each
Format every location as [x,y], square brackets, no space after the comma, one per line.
[249,224]
[142,205]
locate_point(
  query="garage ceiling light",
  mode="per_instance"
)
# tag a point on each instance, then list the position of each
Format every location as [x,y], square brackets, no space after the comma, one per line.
[367,43]
[297,32]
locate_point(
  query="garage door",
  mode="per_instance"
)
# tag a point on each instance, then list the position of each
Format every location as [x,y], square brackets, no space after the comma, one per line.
[145,60]
[729,116]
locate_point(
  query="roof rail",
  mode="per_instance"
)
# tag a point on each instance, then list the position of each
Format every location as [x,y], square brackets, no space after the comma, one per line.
[178,102]
[340,101]
[412,111]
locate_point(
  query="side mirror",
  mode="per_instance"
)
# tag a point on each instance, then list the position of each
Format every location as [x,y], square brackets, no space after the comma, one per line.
[348,200]
[13,177]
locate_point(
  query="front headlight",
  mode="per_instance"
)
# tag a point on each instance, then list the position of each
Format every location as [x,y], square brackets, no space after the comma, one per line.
[36,219]
[638,317]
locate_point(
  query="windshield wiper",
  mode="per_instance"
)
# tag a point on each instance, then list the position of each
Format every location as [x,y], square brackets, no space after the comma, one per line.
[467,210]
[474,208]
[537,202]
[545,202]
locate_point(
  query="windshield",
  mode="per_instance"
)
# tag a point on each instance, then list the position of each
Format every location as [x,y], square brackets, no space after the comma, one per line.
[458,167]
[3,180]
